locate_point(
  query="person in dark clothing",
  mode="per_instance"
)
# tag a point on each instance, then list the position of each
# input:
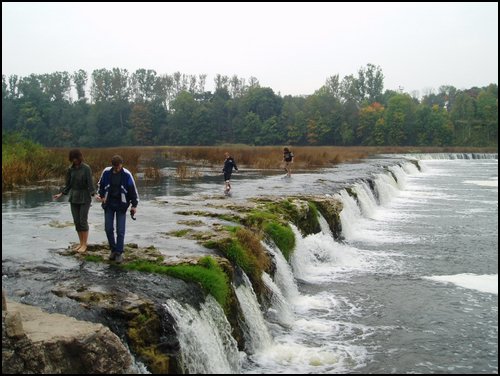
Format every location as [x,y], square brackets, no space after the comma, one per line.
[229,164]
[117,191]
[288,160]
[79,184]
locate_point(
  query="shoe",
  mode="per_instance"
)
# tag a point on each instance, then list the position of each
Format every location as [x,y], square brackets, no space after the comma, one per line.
[118,258]
[112,256]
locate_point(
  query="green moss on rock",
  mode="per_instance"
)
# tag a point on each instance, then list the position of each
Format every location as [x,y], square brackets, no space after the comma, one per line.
[282,236]
[207,273]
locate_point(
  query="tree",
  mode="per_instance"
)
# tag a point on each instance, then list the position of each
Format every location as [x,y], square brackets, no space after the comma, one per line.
[13,86]
[143,84]
[292,120]
[251,128]
[368,118]
[56,86]
[120,90]
[5,92]
[462,116]
[270,133]
[486,129]
[332,86]
[263,102]
[349,90]
[101,86]
[181,127]
[374,83]
[399,120]
[142,125]
[80,79]
[221,82]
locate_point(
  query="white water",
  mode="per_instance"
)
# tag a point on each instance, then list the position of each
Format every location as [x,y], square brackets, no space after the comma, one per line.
[281,310]
[283,277]
[357,306]
[330,319]
[205,338]
[483,283]
[255,328]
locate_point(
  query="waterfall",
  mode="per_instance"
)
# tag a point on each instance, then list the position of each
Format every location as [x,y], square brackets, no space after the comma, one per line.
[366,199]
[318,257]
[400,175]
[410,168]
[257,336]
[281,310]
[205,338]
[283,277]
[325,228]
[350,214]
[453,156]
[387,188]
[361,204]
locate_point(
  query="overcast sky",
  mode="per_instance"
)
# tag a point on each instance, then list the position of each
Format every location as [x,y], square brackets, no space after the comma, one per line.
[290,47]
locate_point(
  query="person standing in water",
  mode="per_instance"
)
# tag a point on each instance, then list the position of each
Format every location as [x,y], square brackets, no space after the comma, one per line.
[229,164]
[79,184]
[117,191]
[288,160]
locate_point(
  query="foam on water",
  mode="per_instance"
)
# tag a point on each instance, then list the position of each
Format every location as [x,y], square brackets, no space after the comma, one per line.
[484,283]
[483,183]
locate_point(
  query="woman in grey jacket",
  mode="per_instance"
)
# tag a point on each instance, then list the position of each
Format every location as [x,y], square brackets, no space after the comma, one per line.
[79,184]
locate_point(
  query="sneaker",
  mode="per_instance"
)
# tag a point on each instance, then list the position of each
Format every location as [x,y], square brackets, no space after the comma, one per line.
[118,258]
[112,256]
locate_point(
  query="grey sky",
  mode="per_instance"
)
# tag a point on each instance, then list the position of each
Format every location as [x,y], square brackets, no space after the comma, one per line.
[290,47]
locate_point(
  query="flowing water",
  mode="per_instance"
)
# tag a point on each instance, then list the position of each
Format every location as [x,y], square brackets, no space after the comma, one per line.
[412,286]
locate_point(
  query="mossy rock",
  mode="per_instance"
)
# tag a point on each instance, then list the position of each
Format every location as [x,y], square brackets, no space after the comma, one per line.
[330,208]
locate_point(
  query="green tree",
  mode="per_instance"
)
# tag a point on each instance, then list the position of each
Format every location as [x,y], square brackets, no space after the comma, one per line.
[400,120]
[374,83]
[142,125]
[270,133]
[143,82]
[80,79]
[251,128]
[462,116]
[368,118]
[486,128]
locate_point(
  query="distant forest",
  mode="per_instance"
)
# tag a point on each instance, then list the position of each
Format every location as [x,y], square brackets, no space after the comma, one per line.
[118,108]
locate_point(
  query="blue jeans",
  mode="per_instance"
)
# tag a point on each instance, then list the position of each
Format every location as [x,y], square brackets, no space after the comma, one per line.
[109,215]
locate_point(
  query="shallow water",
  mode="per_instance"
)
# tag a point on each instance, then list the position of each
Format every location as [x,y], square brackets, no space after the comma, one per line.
[412,288]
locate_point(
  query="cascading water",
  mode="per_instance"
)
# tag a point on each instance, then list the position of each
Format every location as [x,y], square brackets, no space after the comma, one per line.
[205,338]
[283,277]
[366,199]
[452,156]
[325,229]
[400,175]
[387,188]
[350,215]
[319,257]
[281,311]
[257,336]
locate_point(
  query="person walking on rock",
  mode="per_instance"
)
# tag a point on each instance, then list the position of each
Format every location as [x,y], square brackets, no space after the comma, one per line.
[229,164]
[79,184]
[117,191]
[288,160]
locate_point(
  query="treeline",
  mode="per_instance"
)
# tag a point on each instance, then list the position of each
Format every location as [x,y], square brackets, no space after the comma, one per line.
[117,108]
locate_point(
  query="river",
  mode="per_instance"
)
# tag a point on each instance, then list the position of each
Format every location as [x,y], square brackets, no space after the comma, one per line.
[412,287]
